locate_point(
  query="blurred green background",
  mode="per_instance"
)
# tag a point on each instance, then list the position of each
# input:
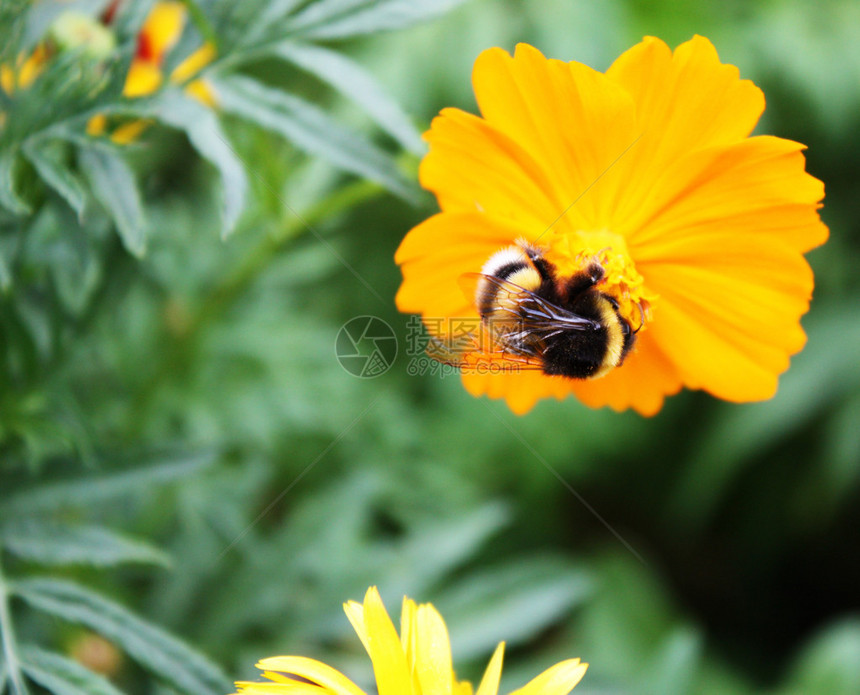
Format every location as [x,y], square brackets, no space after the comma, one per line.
[190,399]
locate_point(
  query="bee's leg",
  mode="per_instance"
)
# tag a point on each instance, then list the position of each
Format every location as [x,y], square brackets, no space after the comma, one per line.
[535,255]
[582,281]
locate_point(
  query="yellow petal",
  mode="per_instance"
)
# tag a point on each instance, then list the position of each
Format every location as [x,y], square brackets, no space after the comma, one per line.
[407,628]
[97,125]
[203,92]
[409,638]
[355,613]
[143,78]
[312,670]
[294,688]
[433,655]
[129,132]
[490,682]
[193,64]
[162,29]
[386,652]
[7,79]
[556,680]
[32,67]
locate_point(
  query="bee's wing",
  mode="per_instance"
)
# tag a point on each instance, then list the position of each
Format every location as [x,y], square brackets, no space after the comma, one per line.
[512,334]
[520,313]
[476,353]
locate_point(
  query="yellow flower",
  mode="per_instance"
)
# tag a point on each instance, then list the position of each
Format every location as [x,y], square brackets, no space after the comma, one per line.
[418,662]
[25,71]
[649,167]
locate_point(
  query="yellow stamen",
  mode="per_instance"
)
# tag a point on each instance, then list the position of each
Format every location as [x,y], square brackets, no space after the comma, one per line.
[572,252]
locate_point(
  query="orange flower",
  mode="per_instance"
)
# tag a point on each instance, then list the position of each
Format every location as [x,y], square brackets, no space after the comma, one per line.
[650,168]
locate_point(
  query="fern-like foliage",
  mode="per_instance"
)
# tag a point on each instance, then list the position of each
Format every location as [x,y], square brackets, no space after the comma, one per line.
[74,217]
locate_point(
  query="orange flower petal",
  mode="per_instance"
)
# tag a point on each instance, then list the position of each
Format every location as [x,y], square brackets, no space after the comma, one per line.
[472,167]
[753,188]
[684,100]
[726,253]
[642,382]
[655,153]
[437,252]
[570,118]
[521,390]
[731,320]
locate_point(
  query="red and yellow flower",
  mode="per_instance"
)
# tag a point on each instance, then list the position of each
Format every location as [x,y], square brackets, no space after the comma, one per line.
[159,34]
[651,167]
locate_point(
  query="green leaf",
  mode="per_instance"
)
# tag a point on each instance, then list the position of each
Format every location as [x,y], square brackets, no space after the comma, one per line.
[9,198]
[830,663]
[172,660]
[512,603]
[5,275]
[818,377]
[672,670]
[356,83]
[203,131]
[338,19]
[312,130]
[85,491]
[113,184]
[63,676]
[277,9]
[49,164]
[51,543]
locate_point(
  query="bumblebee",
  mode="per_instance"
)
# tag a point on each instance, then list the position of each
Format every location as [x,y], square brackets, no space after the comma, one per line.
[533,316]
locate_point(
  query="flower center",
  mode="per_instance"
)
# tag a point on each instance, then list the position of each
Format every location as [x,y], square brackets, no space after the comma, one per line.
[571,252]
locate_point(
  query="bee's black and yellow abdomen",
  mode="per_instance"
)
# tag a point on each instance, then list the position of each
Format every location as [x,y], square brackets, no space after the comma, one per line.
[591,353]
[512,265]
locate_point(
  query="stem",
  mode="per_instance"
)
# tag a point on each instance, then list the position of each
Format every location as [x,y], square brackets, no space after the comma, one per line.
[7,635]
[263,254]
